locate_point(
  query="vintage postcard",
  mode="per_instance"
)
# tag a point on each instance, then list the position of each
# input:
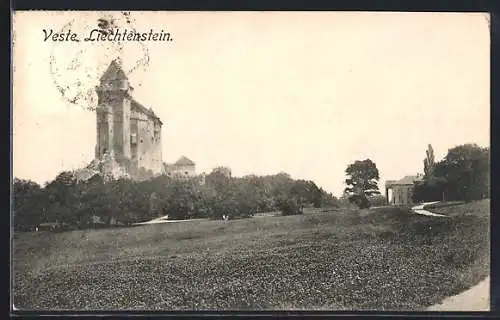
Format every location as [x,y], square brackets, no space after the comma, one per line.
[250,161]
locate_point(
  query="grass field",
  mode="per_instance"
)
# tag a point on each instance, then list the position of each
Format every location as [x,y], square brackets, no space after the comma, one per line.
[481,208]
[378,259]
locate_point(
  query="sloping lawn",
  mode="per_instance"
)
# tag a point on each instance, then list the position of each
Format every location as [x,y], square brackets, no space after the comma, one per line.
[442,204]
[481,208]
[379,259]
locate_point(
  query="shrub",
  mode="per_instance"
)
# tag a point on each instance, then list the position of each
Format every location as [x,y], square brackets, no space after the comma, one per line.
[360,200]
[378,200]
[289,207]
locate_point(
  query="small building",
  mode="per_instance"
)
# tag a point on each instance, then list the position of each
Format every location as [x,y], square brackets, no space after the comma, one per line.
[400,192]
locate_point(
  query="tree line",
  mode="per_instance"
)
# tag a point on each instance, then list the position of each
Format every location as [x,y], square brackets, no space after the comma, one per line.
[69,201]
[462,175]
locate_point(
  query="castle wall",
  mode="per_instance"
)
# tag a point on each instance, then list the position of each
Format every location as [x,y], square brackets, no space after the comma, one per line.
[147,149]
[118,133]
[110,133]
[120,125]
[126,113]
[134,140]
[102,133]
[181,170]
[157,152]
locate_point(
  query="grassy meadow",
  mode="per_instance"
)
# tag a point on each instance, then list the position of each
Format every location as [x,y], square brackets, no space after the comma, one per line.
[376,259]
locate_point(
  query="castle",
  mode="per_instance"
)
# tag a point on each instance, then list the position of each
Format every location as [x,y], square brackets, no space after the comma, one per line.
[128,134]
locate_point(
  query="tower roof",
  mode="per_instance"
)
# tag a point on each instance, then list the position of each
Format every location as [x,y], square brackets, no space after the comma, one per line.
[114,72]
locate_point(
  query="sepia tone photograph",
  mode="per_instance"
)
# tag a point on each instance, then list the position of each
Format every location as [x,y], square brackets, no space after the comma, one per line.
[256,161]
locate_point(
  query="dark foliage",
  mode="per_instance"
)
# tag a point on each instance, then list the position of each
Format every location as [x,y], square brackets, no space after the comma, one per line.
[464,174]
[377,200]
[289,207]
[126,201]
[360,200]
[362,182]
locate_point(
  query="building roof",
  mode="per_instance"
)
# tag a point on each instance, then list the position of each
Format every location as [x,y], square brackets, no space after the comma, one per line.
[407,180]
[149,112]
[114,72]
[184,161]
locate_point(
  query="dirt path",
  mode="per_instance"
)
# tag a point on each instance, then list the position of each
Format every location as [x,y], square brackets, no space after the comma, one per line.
[474,299]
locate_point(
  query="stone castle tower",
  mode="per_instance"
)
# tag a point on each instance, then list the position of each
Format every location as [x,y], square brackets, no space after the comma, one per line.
[128,134]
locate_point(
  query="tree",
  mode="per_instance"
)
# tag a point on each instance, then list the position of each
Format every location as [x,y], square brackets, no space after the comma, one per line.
[28,207]
[362,182]
[289,206]
[181,202]
[328,199]
[464,174]
[218,180]
[307,192]
[62,197]
[431,188]
[429,162]
[226,171]
[467,170]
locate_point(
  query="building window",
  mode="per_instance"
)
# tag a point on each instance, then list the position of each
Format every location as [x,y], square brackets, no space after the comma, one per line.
[186,173]
[141,140]
[133,138]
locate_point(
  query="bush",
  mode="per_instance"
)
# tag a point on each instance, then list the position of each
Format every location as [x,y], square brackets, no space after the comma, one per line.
[378,200]
[360,200]
[290,207]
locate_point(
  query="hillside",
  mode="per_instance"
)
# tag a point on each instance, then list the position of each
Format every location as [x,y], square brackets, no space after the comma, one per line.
[380,259]
[481,208]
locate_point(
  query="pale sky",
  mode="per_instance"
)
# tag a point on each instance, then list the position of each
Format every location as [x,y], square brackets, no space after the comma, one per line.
[264,92]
